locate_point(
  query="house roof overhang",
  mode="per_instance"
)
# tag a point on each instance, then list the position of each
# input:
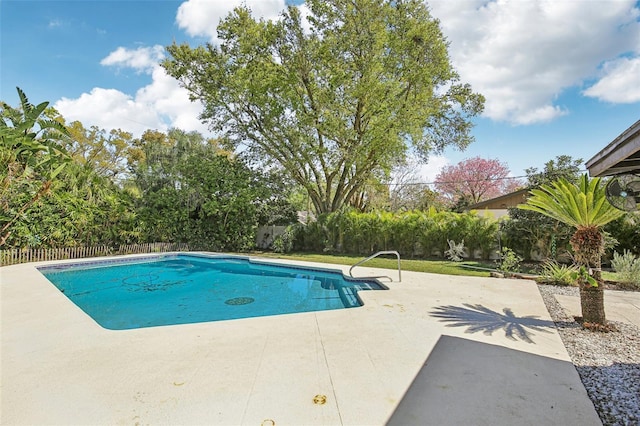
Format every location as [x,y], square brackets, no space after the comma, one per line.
[483,204]
[621,156]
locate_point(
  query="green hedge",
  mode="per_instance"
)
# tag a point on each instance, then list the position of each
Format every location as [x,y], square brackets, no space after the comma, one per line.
[413,234]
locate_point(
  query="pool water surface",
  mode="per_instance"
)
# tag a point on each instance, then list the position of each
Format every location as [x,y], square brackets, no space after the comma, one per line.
[182,289]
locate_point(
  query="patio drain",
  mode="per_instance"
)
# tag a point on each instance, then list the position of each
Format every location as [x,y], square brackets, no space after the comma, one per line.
[240,301]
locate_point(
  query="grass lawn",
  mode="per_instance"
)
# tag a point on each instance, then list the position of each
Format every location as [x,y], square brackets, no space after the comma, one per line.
[421,265]
[388,262]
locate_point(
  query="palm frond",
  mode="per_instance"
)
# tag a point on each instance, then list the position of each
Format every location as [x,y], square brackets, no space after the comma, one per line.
[582,205]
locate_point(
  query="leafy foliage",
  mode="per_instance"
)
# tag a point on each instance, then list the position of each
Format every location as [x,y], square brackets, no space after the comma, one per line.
[626,231]
[411,233]
[557,273]
[563,167]
[580,206]
[475,179]
[284,242]
[30,159]
[192,191]
[627,267]
[529,232]
[107,153]
[509,261]
[83,208]
[335,99]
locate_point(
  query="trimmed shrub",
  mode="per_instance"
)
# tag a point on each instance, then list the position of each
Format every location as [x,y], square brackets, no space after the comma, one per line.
[627,266]
[413,234]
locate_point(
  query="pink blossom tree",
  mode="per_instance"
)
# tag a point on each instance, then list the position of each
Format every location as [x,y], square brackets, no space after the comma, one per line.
[474,180]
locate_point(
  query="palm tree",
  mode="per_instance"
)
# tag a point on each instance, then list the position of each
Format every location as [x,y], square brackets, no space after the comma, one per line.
[584,207]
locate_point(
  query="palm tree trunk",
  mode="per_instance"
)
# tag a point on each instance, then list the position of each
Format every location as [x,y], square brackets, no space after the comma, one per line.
[588,244]
[592,303]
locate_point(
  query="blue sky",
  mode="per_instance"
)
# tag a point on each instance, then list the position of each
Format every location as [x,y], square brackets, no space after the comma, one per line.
[560,76]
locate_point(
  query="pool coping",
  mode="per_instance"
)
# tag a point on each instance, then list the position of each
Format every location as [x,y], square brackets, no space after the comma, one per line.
[370,365]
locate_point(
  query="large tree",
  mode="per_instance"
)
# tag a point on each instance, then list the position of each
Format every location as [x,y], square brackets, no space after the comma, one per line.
[193,191]
[105,152]
[334,99]
[474,180]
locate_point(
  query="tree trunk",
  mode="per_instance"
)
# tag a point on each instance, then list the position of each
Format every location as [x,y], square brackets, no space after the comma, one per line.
[588,244]
[592,303]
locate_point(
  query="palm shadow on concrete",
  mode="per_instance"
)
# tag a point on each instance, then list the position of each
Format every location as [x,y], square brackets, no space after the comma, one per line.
[479,318]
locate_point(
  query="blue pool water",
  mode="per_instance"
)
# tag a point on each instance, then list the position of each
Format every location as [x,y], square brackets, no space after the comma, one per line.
[181,289]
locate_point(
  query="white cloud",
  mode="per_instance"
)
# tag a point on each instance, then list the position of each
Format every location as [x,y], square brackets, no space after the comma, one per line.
[55,23]
[429,171]
[621,82]
[522,54]
[159,105]
[171,101]
[201,17]
[110,109]
[414,171]
[142,59]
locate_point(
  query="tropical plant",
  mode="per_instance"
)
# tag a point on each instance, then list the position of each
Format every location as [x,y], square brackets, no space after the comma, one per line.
[455,252]
[30,159]
[533,234]
[557,273]
[584,207]
[411,233]
[509,260]
[627,267]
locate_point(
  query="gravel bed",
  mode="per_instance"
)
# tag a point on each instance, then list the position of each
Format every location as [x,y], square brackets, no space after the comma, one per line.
[608,363]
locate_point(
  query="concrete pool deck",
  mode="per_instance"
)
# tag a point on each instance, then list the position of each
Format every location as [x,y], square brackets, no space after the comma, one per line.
[433,349]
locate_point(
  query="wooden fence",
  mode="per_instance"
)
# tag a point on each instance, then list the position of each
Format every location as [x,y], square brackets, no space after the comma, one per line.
[14,256]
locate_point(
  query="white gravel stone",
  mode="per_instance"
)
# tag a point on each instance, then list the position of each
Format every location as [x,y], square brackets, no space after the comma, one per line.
[608,363]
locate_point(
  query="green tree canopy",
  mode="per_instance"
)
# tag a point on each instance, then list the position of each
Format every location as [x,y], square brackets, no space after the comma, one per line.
[564,166]
[193,191]
[334,99]
[105,152]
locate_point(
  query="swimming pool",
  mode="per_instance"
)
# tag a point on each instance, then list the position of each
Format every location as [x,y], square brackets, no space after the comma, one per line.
[180,289]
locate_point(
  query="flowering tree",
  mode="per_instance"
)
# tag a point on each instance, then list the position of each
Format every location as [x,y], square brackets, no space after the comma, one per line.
[474,180]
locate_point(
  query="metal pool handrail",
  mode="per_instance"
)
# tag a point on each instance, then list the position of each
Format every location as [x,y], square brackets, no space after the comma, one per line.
[376,255]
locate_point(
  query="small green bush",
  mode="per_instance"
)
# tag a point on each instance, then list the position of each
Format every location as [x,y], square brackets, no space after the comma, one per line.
[283,243]
[509,261]
[557,273]
[627,266]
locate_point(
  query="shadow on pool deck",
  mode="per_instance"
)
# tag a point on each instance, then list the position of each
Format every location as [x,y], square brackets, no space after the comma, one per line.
[480,318]
[465,382]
